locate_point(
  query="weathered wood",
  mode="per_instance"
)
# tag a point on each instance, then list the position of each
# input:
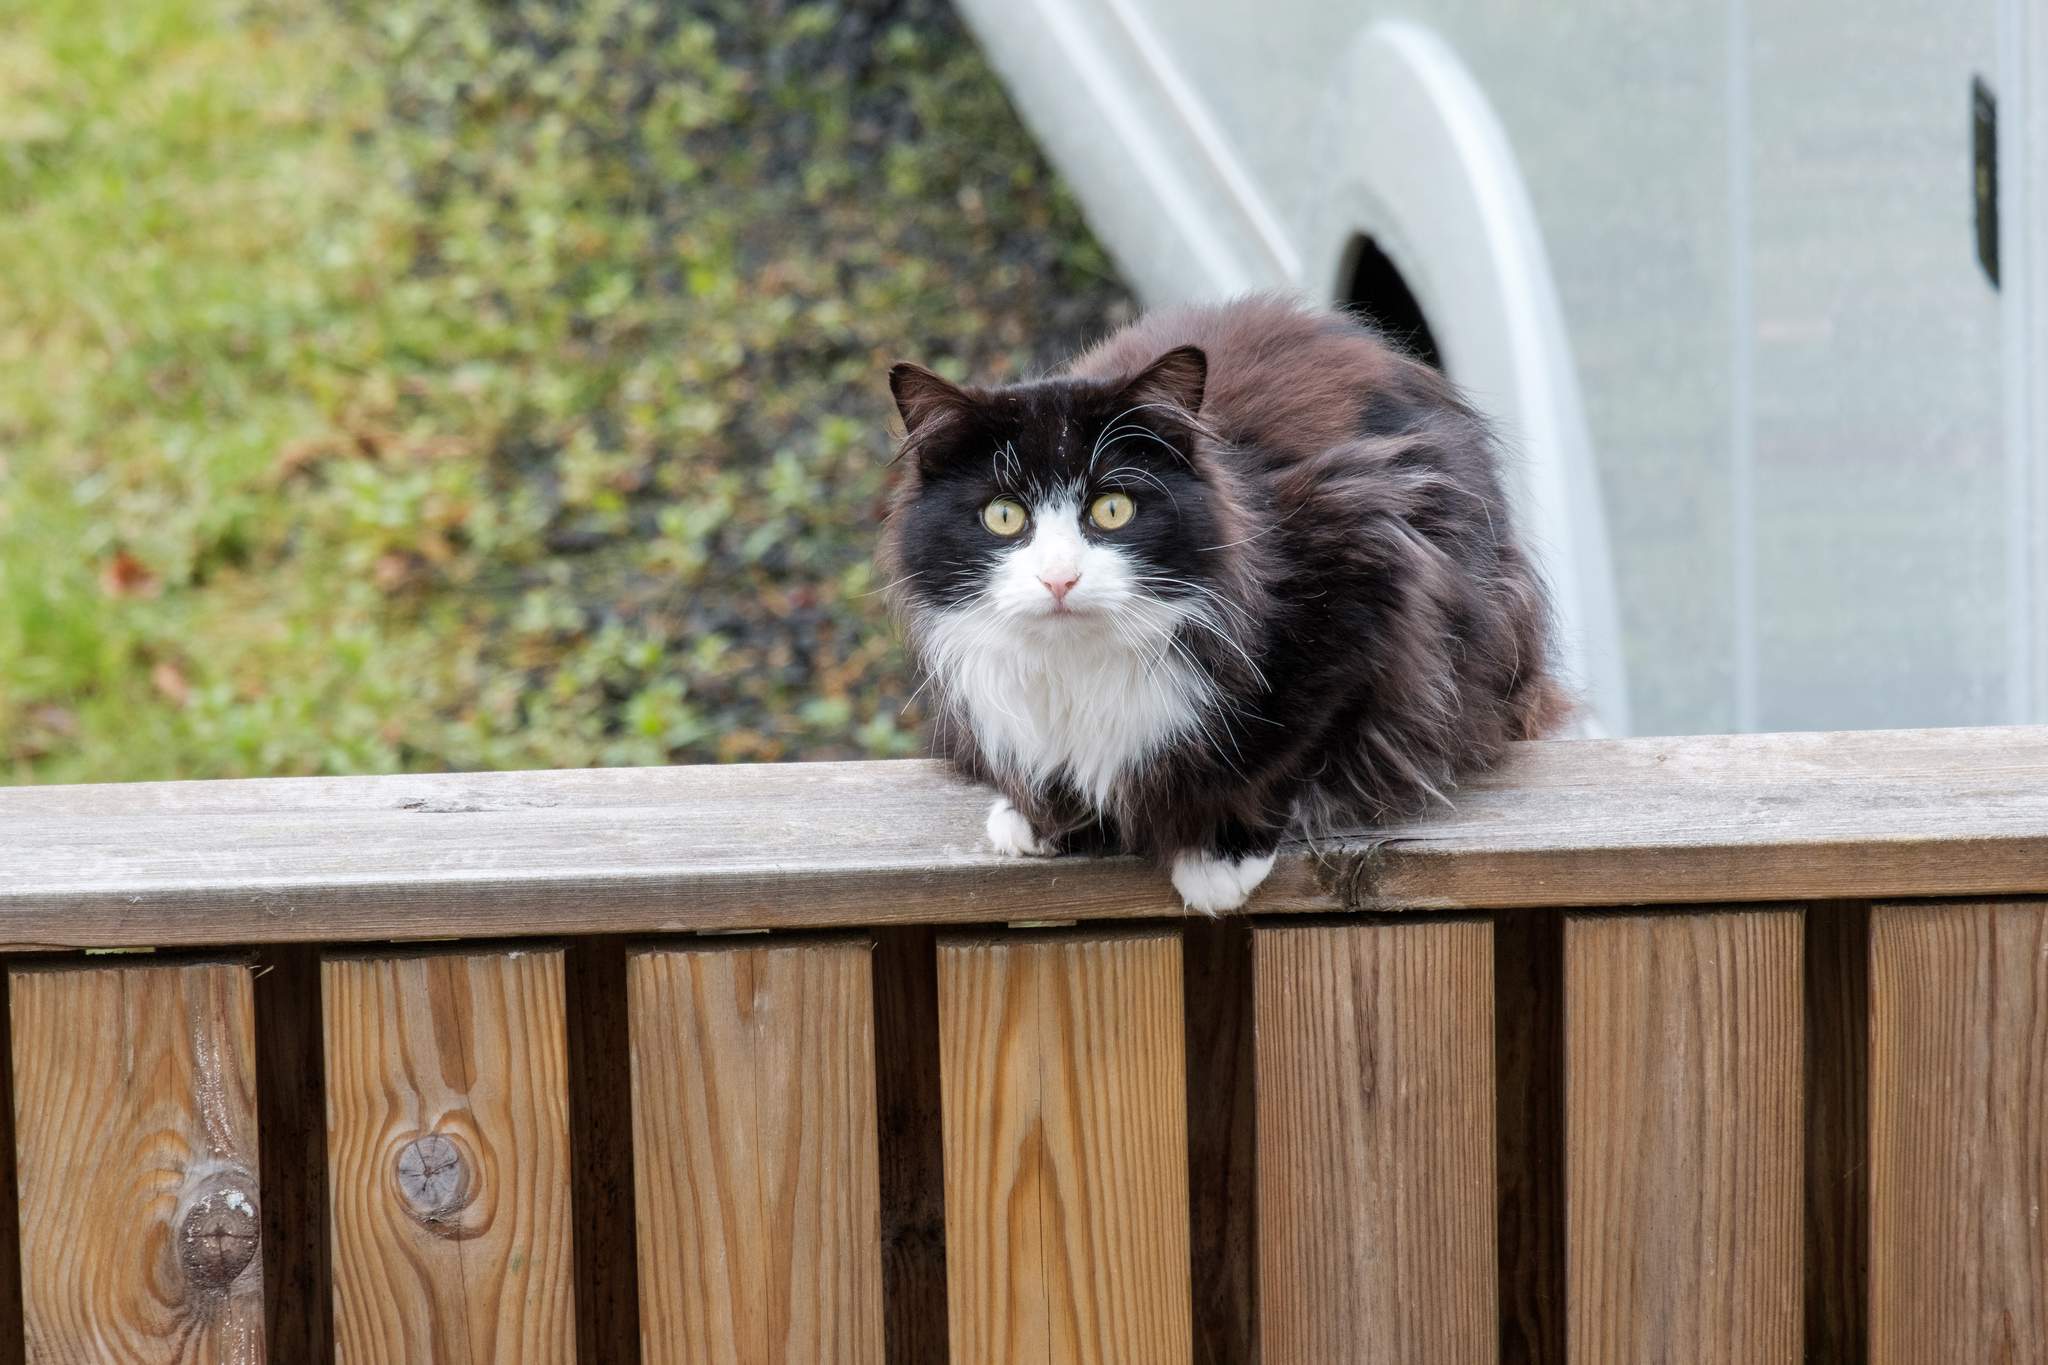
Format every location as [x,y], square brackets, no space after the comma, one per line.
[1528,1107]
[913,1160]
[448,1158]
[1376,1145]
[601,1146]
[1837,1132]
[1216,965]
[1654,821]
[135,1096]
[292,1118]
[13,1350]
[1066,1150]
[754,1124]
[1958,1133]
[1683,1167]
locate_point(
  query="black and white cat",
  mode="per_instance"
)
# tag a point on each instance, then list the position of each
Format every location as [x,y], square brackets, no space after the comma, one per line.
[1237,572]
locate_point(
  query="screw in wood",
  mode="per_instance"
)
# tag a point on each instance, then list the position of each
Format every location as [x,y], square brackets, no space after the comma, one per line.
[433,1177]
[219,1233]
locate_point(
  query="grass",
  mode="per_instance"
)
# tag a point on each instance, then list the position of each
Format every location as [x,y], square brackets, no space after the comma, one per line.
[460,385]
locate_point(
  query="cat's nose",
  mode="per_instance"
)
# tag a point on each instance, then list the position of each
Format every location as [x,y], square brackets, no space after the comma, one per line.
[1059,582]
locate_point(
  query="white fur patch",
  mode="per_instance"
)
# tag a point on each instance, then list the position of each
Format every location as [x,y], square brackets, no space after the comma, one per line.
[1084,690]
[1213,885]
[1011,833]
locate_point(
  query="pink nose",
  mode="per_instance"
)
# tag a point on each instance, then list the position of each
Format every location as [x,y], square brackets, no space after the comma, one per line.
[1059,582]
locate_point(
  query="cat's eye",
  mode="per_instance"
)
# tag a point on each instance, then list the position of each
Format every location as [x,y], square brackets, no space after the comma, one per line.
[1004,516]
[1111,510]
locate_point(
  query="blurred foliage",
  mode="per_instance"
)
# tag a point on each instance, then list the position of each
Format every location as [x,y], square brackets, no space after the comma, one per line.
[442,384]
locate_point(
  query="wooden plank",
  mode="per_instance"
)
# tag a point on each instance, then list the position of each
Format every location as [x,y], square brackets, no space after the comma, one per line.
[1376,1145]
[1216,965]
[1528,1107]
[1570,824]
[601,1146]
[913,1162]
[448,1157]
[1958,1133]
[1066,1150]
[292,1117]
[1682,1128]
[754,1123]
[1837,1132]
[13,1349]
[135,1098]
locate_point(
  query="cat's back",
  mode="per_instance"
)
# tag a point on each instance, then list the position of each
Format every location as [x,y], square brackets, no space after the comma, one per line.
[1283,376]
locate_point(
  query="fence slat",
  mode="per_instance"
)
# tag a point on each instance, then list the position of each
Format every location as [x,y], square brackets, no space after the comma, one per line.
[754,1123]
[448,1157]
[1837,1124]
[1683,1060]
[1065,1113]
[913,1159]
[135,1091]
[601,1147]
[13,1350]
[1958,1133]
[1223,1175]
[1376,1146]
[292,1117]
[1528,1109]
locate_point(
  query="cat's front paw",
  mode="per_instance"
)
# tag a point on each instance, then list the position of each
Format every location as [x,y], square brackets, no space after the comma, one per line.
[1012,834]
[1213,885]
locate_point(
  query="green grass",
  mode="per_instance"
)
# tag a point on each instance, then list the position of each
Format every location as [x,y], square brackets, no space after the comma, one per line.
[449,384]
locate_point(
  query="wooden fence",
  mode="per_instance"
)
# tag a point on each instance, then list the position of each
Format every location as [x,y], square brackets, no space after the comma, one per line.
[1728,1050]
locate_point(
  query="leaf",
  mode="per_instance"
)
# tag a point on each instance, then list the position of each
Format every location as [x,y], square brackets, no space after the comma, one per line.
[124,575]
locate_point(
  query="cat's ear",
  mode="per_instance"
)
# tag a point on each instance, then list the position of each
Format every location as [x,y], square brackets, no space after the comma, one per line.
[1178,377]
[922,395]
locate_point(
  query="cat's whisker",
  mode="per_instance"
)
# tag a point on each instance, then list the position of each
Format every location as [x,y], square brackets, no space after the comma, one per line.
[897,583]
[1148,476]
[1117,423]
[1202,589]
[1259,534]
[1134,432]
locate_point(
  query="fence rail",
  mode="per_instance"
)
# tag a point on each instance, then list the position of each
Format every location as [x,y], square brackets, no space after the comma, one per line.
[648,851]
[1717,1049]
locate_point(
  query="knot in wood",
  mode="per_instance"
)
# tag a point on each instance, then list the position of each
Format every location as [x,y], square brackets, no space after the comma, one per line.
[433,1177]
[219,1233]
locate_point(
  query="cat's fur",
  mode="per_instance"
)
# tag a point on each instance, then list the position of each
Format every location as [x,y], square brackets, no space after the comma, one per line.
[1317,617]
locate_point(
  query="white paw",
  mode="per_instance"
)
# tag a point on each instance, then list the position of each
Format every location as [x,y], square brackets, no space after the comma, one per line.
[1011,833]
[1212,885]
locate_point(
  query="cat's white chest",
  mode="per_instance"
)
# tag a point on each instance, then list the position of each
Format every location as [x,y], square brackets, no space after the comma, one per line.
[1085,704]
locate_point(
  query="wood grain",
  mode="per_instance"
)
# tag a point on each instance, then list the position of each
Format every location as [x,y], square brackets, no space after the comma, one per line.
[1066,1150]
[1684,1159]
[913,1160]
[754,1124]
[135,1100]
[1376,1144]
[1569,824]
[448,1158]
[1958,1133]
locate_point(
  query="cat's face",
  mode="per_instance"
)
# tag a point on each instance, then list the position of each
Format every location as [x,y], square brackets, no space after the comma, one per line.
[1062,508]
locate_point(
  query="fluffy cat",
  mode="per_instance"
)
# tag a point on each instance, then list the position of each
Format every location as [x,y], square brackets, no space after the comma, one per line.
[1236,573]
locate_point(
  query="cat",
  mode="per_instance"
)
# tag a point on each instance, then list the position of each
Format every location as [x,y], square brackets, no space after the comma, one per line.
[1239,573]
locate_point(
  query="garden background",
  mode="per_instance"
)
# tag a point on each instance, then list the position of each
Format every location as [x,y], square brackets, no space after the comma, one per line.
[444,384]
